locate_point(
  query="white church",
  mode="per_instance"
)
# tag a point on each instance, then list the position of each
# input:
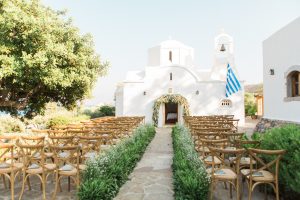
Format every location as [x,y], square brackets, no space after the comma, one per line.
[171,72]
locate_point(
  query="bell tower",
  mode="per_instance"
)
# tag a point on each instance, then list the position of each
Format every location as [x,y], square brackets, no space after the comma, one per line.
[223,54]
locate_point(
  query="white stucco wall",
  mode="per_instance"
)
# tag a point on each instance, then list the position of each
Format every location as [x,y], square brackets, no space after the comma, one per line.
[185,83]
[281,52]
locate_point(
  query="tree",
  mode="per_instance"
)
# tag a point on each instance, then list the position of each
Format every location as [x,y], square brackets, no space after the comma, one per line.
[43,58]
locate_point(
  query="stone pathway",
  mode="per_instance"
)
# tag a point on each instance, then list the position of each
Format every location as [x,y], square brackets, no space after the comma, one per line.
[152,177]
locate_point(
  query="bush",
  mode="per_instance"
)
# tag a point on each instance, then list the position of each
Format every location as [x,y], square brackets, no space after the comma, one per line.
[10,124]
[57,114]
[106,174]
[64,120]
[288,138]
[103,111]
[250,104]
[191,180]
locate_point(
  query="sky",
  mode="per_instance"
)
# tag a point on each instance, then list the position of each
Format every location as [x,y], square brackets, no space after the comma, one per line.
[124,30]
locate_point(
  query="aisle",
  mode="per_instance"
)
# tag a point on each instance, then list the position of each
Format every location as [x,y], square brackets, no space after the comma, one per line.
[152,177]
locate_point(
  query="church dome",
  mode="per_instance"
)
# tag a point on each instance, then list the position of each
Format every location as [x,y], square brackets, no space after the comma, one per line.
[173,44]
[171,52]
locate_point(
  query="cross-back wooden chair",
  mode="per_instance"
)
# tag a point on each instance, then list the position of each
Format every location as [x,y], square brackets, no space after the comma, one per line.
[61,140]
[90,148]
[67,165]
[232,137]
[267,173]
[7,167]
[10,139]
[224,172]
[207,157]
[58,132]
[34,164]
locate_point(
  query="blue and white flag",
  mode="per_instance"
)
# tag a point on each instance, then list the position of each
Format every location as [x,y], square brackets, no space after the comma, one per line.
[232,83]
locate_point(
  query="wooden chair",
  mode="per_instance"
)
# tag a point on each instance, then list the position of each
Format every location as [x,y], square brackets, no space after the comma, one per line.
[224,172]
[34,165]
[67,165]
[266,174]
[206,156]
[245,160]
[7,167]
[61,140]
[90,148]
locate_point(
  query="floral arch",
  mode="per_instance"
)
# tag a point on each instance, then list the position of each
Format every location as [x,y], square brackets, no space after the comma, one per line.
[173,98]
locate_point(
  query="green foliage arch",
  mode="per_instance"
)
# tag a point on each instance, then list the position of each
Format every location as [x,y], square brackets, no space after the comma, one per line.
[172,98]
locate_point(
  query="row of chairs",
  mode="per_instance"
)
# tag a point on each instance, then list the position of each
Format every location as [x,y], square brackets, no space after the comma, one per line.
[61,151]
[228,158]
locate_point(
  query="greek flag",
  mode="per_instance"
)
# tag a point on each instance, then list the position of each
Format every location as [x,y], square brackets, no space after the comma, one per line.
[232,83]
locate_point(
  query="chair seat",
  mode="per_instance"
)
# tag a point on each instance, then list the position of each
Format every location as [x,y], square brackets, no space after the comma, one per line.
[50,166]
[227,174]
[38,170]
[243,161]
[105,147]
[19,165]
[8,170]
[48,154]
[82,167]
[264,176]
[208,160]
[72,172]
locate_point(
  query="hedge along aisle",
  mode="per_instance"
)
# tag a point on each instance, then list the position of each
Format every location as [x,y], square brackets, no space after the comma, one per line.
[106,174]
[191,181]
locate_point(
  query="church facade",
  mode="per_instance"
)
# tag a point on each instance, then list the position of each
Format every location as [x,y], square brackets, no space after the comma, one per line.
[171,73]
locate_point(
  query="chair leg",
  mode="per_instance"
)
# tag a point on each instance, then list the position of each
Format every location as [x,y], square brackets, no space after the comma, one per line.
[230,189]
[28,183]
[277,190]
[23,185]
[69,183]
[4,181]
[237,189]
[44,186]
[56,185]
[249,190]
[12,185]
[211,191]
[265,191]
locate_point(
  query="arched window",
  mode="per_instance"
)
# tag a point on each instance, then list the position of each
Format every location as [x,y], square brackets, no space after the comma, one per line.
[293,86]
[170,56]
[226,103]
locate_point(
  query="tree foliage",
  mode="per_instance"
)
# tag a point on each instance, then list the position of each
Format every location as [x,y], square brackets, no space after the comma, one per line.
[43,58]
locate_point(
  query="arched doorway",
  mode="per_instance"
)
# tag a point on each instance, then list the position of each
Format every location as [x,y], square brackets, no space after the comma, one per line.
[171,113]
[171,104]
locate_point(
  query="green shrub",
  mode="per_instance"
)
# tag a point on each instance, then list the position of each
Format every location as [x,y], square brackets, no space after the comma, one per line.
[64,120]
[288,138]
[191,180]
[10,124]
[250,104]
[56,113]
[106,174]
[103,111]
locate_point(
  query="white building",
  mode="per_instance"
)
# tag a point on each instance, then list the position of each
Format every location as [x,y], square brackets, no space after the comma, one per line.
[171,70]
[281,55]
